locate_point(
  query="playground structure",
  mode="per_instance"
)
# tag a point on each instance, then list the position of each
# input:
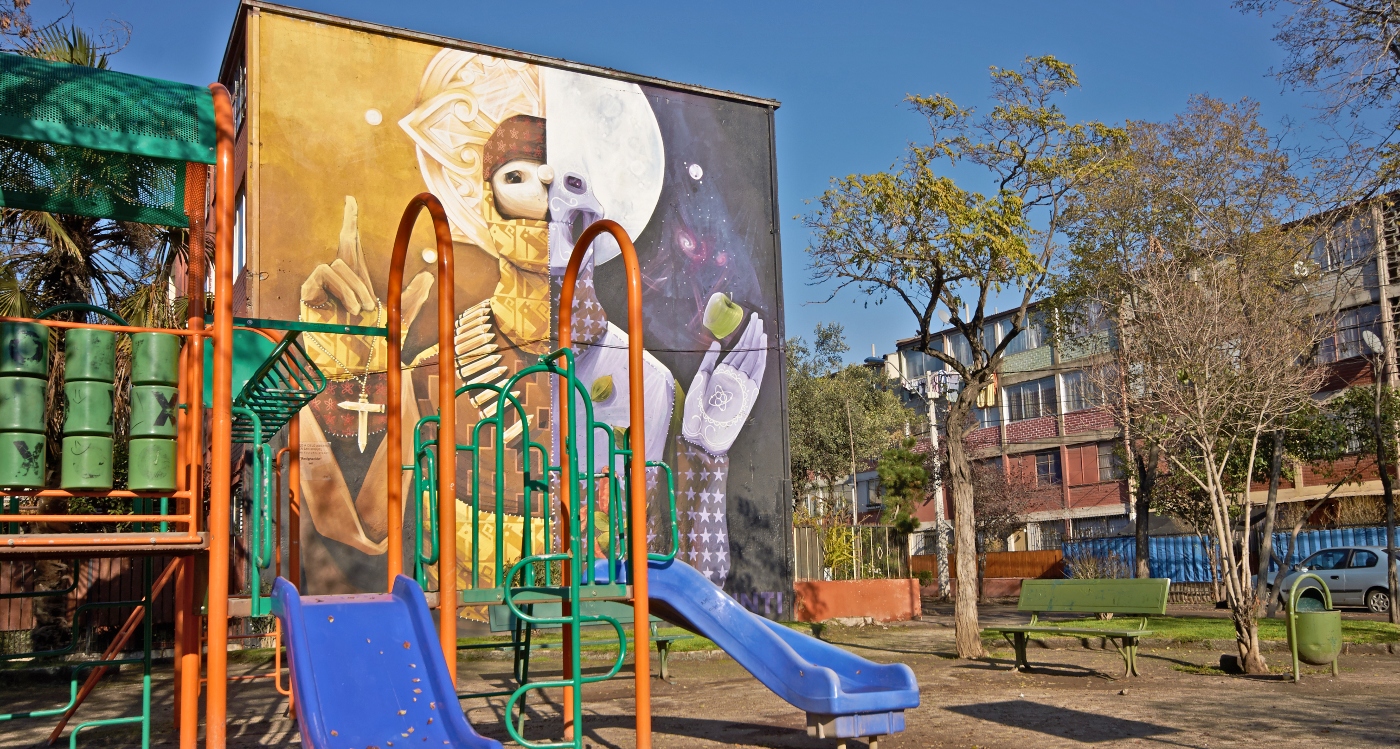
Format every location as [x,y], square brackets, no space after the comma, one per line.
[592,518]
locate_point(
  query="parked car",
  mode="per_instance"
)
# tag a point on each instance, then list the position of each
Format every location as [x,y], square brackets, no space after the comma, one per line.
[1354,574]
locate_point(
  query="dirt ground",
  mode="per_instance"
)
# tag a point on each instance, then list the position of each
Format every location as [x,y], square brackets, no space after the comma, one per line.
[1072,698]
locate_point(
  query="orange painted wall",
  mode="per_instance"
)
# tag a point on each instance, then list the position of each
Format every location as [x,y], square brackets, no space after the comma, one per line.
[881,600]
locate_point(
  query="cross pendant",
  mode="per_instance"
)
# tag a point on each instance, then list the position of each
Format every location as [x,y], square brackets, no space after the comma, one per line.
[364,409]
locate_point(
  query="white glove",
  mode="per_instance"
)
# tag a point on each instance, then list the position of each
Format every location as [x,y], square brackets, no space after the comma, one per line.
[721,397]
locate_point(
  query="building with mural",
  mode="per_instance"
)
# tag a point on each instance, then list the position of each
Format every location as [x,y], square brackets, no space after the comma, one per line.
[341,122]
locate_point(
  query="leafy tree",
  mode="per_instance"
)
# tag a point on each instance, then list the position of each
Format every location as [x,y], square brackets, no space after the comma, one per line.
[915,237]
[904,477]
[838,415]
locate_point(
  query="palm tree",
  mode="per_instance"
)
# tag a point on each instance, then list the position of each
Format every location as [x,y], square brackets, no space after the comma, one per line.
[48,259]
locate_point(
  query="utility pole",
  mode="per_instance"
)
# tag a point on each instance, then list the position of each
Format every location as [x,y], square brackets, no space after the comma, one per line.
[940,512]
[855,530]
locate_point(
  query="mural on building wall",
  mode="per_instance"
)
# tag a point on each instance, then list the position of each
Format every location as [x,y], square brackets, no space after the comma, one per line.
[522,157]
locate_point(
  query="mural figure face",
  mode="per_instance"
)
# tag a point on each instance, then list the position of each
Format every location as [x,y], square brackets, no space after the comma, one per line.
[522,189]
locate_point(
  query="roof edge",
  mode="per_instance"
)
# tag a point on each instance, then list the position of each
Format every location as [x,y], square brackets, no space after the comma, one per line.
[501,52]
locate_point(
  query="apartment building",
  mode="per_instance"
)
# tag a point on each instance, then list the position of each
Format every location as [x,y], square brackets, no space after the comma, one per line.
[1047,427]
[1043,426]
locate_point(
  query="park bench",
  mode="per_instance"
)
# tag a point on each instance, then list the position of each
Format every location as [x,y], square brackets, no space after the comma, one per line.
[1132,597]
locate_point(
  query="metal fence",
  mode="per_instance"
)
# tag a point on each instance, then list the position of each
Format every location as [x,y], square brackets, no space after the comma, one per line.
[840,552]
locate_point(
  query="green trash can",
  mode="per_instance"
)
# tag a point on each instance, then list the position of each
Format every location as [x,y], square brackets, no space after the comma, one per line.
[87,462]
[152,465]
[154,411]
[89,354]
[24,349]
[21,460]
[22,403]
[90,408]
[1314,628]
[155,359]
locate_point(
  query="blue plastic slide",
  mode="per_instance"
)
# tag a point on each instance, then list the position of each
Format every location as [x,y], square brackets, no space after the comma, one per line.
[367,670]
[843,694]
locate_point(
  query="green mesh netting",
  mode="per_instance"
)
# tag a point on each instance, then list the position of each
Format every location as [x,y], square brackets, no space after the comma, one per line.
[99,143]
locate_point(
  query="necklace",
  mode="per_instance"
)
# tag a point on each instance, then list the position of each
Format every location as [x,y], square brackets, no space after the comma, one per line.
[362,407]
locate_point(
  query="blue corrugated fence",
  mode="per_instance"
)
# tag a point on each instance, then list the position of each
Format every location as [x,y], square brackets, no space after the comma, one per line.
[1184,558]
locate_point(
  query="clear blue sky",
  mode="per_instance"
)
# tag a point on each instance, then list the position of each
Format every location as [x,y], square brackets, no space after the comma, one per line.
[840,69]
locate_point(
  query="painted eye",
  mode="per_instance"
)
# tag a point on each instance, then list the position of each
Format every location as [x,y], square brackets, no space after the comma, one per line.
[515,177]
[575,184]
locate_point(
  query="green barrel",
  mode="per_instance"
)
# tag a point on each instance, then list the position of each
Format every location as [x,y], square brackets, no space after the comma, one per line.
[90,408]
[152,465]
[155,359]
[87,462]
[24,349]
[22,403]
[1319,636]
[153,410]
[22,460]
[90,354]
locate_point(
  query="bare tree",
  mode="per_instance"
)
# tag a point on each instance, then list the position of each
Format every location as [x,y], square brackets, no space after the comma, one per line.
[1217,352]
[1000,498]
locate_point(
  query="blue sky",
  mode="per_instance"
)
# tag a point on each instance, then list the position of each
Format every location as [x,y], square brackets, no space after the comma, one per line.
[841,71]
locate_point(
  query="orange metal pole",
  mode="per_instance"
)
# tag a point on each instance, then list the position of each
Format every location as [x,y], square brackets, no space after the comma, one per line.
[447,418]
[215,711]
[641,630]
[294,503]
[191,421]
[113,328]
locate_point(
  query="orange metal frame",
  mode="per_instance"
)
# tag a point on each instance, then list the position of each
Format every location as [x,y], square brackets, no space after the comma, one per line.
[447,425]
[637,553]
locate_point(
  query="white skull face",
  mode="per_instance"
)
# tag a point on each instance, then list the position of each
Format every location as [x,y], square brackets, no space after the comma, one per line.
[520,189]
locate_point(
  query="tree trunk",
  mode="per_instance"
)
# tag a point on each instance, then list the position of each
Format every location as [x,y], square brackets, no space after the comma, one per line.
[966,629]
[1247,641]
[1266,542]
[1146,468]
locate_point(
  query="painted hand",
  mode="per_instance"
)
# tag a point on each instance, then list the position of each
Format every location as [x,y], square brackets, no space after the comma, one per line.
[720,397]
[340,292]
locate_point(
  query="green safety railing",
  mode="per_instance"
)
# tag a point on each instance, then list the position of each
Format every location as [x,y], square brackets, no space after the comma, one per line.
[590,453]
[278,389]
[148,622]
[264,533]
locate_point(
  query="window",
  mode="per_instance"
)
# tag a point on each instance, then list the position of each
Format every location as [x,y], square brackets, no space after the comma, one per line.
[961,351]
[915,364]
[1327,559]
[1033,337]
[1047,468]
[987,417]
[1110,467]
[1081,392]
[1364,559]
[1346,342]
[1346,244]
[991,335]
[1031,400]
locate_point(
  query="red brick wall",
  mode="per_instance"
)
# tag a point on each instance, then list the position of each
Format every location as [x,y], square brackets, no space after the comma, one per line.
[1031,429]
[1088,421]
[986,437]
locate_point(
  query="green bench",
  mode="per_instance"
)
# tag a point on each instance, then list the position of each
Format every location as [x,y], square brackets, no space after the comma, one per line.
[1133,597]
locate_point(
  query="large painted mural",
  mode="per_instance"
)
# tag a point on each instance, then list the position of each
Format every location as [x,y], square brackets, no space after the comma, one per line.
[346,125]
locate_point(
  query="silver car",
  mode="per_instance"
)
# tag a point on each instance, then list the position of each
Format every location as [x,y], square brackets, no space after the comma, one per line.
[1354,574]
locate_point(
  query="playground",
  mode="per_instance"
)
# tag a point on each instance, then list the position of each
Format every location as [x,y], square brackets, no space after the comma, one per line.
[541,494]
[1069,701]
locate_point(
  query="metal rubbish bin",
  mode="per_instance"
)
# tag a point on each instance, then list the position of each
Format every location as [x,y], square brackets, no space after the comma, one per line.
[1314,628]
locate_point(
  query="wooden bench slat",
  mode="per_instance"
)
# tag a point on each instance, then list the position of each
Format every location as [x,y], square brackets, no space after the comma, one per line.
[1120,596]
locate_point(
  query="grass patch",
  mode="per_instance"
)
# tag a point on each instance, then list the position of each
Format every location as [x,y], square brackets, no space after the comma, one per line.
[1200,628]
